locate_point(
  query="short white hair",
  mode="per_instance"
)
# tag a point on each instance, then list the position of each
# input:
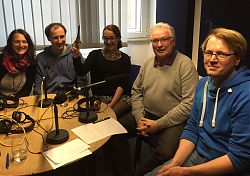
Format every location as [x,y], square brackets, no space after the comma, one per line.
[162,25]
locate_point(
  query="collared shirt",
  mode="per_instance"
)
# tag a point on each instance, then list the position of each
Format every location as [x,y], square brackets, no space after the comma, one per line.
[168,61]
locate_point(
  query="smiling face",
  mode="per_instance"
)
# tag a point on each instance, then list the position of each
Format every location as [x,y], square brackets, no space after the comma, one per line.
[57,39]
[19,44]
[220,69]
[110,40]
[163,43]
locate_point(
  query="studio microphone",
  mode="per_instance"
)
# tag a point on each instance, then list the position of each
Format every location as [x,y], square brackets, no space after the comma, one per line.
[91,116]
[116,78]
[111,79]
[46,102]
[58,136]
[60,98]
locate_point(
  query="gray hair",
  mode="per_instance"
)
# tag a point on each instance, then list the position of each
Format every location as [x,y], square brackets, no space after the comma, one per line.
[162,25]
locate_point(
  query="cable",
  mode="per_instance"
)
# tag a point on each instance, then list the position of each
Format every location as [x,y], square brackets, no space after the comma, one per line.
[24,133]
[44,144]
[41,118]
[104,108]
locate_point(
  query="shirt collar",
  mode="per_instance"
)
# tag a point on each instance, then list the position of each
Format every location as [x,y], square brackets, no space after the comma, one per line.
[168,61]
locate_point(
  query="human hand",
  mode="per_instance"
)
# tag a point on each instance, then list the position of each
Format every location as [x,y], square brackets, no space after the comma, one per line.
[152,126]
[166,167]
[141,126]
[146,126]
[75,51]
[174,171]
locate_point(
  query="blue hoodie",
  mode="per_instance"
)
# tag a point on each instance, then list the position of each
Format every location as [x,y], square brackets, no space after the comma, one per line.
[222,124]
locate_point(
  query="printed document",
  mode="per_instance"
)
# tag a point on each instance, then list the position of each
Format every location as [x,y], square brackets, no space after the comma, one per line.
[93,132]
[67,153]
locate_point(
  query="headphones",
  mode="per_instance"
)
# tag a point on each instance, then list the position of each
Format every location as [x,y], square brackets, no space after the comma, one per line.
[94,104]
[6,124]
[5,102]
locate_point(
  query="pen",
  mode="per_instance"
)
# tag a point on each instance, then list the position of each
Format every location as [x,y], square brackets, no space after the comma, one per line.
[7,161]
[102,119]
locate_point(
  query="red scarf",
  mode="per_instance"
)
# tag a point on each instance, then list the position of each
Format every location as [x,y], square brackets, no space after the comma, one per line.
[13,66]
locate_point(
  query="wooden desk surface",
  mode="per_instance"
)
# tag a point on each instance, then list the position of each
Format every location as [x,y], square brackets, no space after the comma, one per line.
[36,163]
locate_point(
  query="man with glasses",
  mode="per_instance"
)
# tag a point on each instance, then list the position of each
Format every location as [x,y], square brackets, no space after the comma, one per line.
[162,97]
[216,138]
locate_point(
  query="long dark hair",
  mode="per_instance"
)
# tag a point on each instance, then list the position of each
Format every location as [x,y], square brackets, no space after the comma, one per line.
[9,50]
[117,33]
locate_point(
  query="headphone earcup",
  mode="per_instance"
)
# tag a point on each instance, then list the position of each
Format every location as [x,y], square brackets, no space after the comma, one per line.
[80,103]
[16,116]
[5,126]
[95,103]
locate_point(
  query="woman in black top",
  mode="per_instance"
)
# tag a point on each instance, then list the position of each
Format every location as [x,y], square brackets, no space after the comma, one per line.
[106,63]
[17,66]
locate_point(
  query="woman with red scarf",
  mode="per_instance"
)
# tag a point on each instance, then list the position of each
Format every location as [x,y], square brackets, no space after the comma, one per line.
[17,65]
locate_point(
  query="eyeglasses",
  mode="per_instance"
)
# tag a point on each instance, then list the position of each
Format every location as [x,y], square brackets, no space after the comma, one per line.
[108,38]
[162,40]
[219,55]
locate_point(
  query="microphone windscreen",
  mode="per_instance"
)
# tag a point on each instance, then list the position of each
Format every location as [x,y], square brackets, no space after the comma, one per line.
[60,98]
[116,77]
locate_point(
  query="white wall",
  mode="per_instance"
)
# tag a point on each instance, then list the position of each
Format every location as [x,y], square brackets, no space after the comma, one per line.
[140,49]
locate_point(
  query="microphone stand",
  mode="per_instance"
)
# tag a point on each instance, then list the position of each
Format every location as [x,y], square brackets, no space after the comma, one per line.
[87,116]
[46,102]
[57,136]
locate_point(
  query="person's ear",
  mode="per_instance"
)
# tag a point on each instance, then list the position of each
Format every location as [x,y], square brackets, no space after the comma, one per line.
[237,62]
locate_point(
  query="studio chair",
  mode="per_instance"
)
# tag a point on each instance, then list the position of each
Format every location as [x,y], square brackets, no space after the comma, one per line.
[133,74]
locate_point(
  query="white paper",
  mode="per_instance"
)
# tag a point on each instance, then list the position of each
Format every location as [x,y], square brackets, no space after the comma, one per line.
[73,158]
[93,132]
[67,153]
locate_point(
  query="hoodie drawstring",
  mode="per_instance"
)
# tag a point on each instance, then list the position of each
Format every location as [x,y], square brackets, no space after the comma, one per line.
[215,107]
[204,106]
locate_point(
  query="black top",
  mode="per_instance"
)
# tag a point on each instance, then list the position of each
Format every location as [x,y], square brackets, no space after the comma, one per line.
[102,69]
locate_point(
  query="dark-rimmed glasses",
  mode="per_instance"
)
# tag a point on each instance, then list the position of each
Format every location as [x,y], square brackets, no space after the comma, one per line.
[219,55]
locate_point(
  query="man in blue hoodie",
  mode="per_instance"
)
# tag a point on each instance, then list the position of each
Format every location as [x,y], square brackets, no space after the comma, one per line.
[216,139]
[55,62]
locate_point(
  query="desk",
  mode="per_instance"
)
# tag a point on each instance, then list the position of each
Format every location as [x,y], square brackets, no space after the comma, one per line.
[36,163]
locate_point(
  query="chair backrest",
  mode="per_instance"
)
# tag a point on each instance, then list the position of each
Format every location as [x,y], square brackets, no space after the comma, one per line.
[133,74]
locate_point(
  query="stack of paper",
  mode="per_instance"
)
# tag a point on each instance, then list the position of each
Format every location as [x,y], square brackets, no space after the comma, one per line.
[67,153]
[93,132]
